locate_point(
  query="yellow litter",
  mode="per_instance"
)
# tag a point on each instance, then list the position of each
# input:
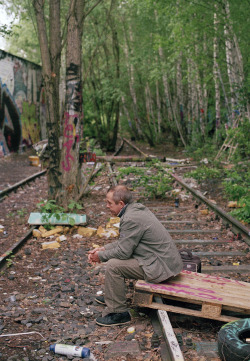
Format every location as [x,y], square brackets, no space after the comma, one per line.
[36,233]
[112,222]
[107,233]
[42,229]
[56,230]
[51,245]
[86,231]
[204,212]
[232,204]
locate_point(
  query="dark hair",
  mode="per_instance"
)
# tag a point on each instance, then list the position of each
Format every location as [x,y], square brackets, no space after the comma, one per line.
[121,193]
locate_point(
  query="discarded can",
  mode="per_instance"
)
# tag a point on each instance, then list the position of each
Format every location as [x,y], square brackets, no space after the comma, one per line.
[69,350]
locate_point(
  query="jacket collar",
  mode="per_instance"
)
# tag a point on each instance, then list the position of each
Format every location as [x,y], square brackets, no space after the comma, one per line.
[122,211]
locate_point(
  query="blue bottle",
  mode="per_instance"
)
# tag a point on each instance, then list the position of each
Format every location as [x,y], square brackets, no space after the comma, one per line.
[69,350]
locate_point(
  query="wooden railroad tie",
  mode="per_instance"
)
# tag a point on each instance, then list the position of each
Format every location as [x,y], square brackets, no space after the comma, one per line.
[196,294]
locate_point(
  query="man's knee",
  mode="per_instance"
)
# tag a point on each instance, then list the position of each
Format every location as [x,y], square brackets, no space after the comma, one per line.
[113,265]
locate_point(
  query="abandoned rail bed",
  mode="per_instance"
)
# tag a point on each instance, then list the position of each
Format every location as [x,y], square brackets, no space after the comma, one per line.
[51,291]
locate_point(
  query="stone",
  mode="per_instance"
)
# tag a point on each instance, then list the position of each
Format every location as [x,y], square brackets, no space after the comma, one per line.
[122,348]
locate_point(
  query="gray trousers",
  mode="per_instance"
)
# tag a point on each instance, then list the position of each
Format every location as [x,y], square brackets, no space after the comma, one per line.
[115,289]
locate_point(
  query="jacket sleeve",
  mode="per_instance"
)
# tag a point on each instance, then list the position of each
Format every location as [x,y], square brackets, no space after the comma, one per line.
[130,235]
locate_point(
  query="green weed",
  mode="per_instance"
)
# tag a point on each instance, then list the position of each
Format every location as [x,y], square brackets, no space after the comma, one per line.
[203,173]
[51,209]
[152,180]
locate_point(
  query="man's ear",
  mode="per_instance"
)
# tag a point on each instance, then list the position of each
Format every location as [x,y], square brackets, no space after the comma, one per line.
[122,203]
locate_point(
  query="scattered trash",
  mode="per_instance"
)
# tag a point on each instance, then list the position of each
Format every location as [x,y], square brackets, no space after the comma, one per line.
[236,263]
[204,212]
[1,228]
[113,222]
[51,245]
[77,236]
[34,160]
[232,204]
[56,230]
[176,202]
[204,160]
[131,330]
[37,234]
[99,293]
[86,231]
[69,350]
[61,238]
[20,334]
[107,233]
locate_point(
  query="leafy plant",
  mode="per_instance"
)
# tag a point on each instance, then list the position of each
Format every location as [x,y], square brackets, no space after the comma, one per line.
[243,212]
[236,187]
[51,209]
[202,173]
[152,181]
[9,260]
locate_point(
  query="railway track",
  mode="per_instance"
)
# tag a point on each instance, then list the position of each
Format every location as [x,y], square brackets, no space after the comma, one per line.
[198,226]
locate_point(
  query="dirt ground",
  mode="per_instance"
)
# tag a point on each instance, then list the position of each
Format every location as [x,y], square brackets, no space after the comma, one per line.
[51,292]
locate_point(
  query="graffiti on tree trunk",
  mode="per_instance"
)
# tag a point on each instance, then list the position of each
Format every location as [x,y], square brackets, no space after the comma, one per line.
[71,117]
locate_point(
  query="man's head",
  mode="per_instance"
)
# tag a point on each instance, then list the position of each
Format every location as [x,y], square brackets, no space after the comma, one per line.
[117,197]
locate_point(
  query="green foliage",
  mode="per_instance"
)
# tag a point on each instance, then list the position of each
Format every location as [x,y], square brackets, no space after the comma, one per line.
[203,173]
[152,181]
[90,145]
[207,150]
[236,187]
[237,184]
[9,260]
[243,212]
[242,139]
[51,209]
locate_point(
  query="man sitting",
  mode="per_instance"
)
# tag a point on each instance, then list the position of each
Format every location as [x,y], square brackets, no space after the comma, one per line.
[144,250]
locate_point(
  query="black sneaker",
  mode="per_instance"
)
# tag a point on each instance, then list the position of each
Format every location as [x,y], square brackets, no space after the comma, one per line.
[114,319]
[101,300]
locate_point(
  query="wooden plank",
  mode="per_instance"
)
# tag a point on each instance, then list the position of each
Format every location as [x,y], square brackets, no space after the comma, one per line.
[189,312]
[194,231]
[226,269]
[181,222]
[219,254]
[222,291]
[200,241]
[211,310]
[173,345]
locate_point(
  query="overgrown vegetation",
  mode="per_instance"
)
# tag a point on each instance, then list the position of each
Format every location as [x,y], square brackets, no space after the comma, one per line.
[50,209]
[203,173]
[235,181]
[151,181]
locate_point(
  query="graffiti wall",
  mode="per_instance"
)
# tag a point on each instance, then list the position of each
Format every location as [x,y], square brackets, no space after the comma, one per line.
[22,105]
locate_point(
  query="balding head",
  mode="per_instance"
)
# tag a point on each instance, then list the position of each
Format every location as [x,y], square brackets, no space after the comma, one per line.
[121,193]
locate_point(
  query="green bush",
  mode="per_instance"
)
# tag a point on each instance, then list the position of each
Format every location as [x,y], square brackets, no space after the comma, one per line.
[152,180]
[203,173]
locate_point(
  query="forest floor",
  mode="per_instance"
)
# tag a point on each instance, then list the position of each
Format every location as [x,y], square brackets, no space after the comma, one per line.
[51,292]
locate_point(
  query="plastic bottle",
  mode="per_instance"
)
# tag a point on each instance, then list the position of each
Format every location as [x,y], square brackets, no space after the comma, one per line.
[69,350]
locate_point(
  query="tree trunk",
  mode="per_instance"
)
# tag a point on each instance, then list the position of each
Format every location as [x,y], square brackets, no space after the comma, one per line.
[216,72]
[73,116]
[51,86]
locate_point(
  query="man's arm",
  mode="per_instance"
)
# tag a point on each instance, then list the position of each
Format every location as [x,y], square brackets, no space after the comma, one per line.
[130,235]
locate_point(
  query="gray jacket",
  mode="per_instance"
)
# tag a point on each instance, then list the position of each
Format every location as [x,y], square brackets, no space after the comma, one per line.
[143,237]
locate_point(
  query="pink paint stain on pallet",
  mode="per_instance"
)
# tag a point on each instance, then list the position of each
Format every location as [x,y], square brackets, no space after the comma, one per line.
[177,288]
[213,279]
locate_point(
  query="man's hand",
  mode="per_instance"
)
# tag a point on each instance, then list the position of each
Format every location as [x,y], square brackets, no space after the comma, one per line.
[93,255]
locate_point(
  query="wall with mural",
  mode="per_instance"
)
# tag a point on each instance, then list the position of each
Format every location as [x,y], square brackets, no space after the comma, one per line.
[22,104]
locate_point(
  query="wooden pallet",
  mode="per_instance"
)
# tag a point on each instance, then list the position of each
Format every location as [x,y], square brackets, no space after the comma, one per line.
[196,294]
